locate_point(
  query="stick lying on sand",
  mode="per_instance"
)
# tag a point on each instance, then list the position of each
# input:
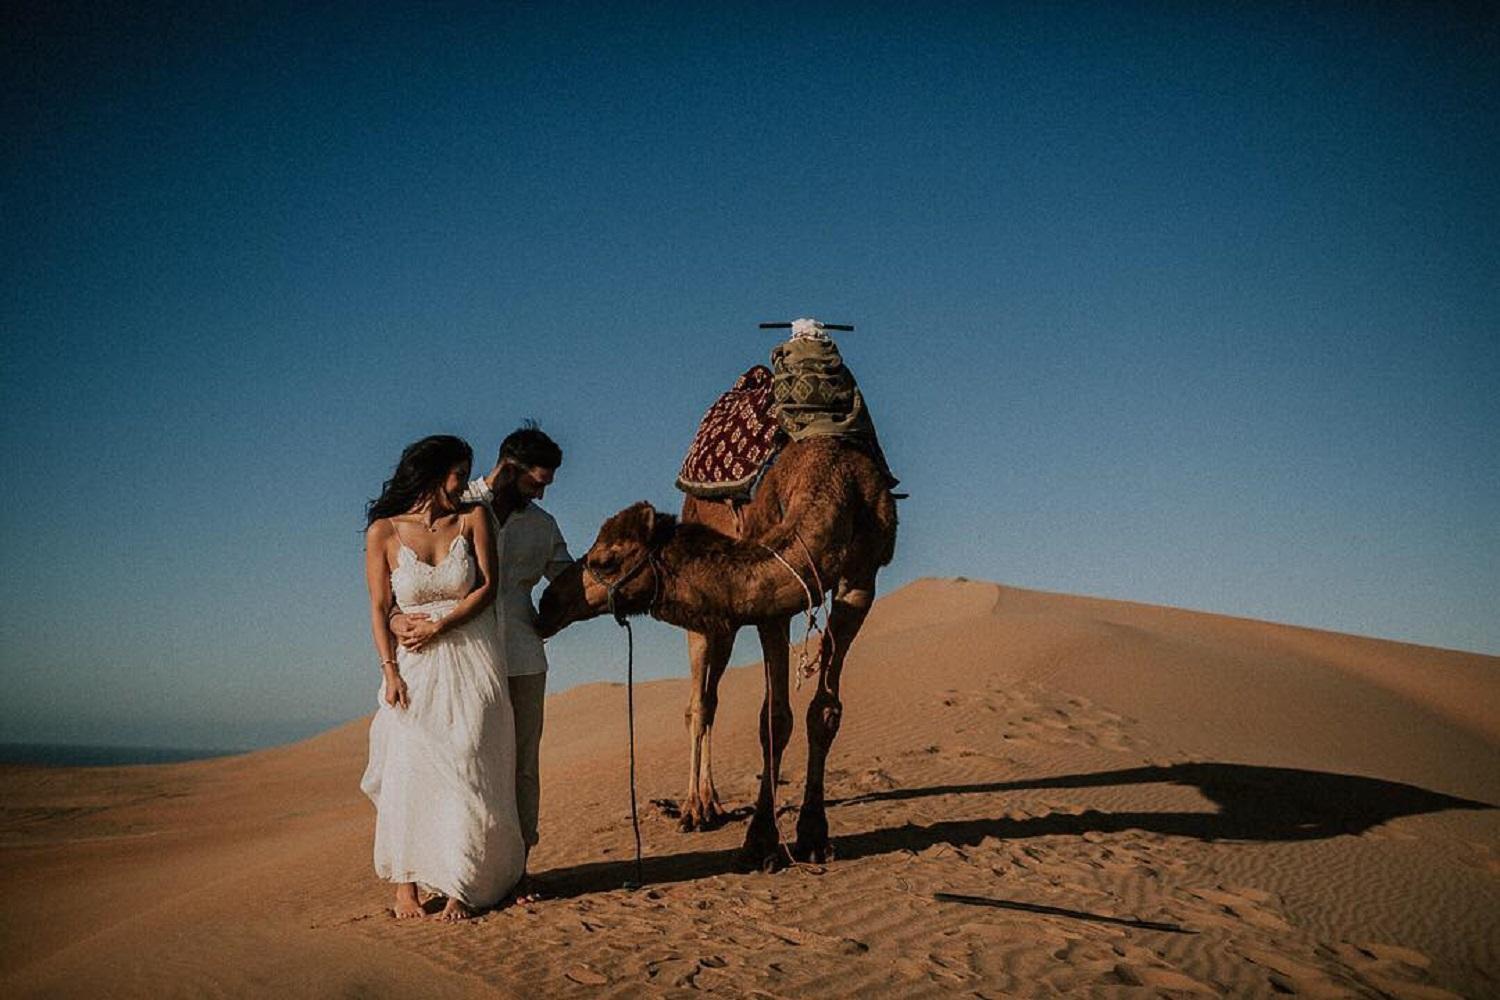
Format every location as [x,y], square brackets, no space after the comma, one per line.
[1057,911]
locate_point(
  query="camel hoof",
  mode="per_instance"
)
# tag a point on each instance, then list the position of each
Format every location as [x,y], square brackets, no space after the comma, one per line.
[767,861]
[818,853]
[762,849]
[812,834]
[709,817]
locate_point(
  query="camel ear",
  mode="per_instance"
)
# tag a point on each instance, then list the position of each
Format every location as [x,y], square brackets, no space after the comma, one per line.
[645,516]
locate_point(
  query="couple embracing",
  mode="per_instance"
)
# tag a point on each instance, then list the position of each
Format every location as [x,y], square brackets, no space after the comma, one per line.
[450,566]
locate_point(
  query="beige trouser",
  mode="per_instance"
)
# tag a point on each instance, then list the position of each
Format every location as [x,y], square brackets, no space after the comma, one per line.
[528,695]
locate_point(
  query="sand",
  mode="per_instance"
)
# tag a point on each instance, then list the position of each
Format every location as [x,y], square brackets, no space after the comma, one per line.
[1182,804]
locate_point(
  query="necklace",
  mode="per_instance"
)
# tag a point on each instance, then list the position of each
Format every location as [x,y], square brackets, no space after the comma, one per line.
[417,517]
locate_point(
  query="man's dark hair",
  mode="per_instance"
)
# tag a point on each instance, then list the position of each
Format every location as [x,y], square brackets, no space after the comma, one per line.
[529,446]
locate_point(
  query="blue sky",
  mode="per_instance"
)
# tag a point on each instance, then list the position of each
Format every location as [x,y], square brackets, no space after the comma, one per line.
[1194,306]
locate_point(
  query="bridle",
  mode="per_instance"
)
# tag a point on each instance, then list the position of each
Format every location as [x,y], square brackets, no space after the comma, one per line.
[648,558]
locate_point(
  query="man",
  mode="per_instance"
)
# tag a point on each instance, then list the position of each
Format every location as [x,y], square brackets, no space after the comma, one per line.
[528,547]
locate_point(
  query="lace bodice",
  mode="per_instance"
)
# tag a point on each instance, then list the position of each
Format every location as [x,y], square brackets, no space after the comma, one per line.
[416,584]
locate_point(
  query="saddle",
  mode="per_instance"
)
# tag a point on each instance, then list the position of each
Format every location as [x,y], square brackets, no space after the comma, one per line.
[735,441]
[809,394]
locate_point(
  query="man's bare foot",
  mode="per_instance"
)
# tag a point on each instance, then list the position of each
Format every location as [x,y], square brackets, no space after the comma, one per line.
[407,904]
[454,911]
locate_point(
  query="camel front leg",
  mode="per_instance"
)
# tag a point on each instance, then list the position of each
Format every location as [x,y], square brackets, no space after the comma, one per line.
[851,603]
[708,654]
[762,840]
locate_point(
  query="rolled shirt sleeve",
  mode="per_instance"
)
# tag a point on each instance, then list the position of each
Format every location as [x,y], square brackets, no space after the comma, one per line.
[478,492]
[530,547]
[560,559]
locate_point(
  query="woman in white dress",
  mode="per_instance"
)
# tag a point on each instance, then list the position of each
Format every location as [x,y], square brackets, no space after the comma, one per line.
[442,743]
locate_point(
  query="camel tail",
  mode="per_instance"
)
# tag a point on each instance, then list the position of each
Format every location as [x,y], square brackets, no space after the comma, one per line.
[885,524]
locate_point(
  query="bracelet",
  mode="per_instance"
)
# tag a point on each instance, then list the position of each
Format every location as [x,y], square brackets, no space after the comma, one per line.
[391,662]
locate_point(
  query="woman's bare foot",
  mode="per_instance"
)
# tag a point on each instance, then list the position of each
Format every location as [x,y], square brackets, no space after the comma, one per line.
[455,911]
[407,904]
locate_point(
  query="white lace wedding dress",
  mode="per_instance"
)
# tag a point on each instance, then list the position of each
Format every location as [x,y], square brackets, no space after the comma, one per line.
[442,772]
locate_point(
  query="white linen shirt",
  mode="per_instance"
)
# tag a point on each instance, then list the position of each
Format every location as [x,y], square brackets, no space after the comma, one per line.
[527,548]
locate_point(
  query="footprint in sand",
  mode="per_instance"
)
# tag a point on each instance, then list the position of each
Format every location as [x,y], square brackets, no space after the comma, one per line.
[1036,715]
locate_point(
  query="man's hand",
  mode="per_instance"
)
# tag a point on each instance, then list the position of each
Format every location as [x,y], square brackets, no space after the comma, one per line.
[413,631]
[503,475]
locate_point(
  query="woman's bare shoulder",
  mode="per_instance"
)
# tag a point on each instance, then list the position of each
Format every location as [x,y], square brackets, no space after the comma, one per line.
[473,515]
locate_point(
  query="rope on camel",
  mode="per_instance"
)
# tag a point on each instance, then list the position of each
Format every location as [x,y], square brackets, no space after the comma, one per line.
[813,608]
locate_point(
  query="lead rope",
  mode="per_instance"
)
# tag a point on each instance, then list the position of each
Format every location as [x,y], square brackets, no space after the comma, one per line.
[635,821]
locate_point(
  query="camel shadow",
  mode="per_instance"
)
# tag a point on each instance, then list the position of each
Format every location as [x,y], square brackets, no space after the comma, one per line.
[1255,804]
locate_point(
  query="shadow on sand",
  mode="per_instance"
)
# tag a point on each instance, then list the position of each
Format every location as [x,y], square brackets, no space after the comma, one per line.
[1259,804]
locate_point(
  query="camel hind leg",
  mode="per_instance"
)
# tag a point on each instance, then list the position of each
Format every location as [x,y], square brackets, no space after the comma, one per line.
[708,653]
[851,603]
[762,840]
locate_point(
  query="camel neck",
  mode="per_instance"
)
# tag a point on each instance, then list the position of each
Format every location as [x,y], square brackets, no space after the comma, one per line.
[712,576]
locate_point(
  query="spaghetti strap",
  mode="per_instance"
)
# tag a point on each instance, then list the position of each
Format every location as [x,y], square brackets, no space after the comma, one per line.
[396,533]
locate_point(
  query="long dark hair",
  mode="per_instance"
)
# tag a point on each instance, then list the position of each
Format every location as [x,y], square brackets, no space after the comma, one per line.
[423,467]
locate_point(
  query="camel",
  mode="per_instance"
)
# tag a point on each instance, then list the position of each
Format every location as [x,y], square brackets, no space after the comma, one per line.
[822,519]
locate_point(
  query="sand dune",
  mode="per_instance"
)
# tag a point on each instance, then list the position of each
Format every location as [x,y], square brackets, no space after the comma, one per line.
[1167,803]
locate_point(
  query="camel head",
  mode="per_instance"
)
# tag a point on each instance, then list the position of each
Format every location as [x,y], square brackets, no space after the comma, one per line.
[622,556]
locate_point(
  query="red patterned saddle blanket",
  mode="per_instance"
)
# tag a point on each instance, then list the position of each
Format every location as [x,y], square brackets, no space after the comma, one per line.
[736,437]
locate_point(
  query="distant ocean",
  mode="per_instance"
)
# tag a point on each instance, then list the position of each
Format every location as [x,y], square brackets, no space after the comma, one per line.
[74,755]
